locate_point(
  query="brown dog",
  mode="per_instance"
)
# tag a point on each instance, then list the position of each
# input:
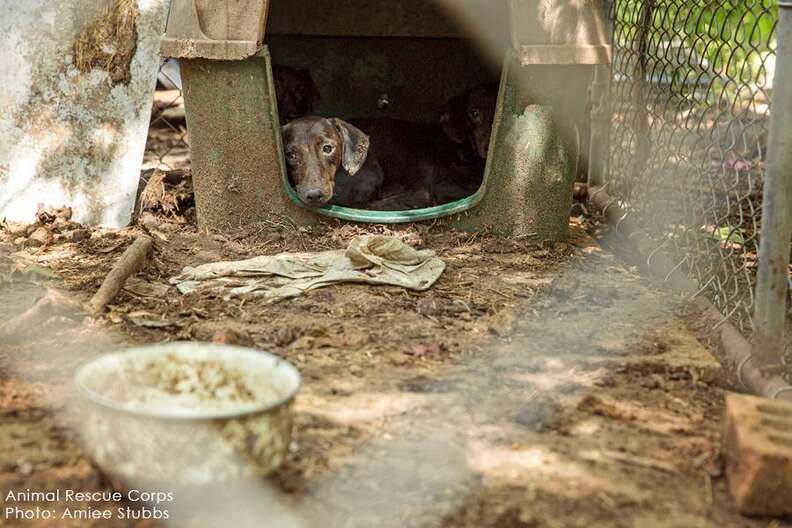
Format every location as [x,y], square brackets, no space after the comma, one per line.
[295,91]
[467,118]
[330,161]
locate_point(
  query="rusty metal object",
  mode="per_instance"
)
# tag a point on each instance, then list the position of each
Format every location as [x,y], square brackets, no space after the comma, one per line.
[657,262]
[773,274]
[737,348]
[740,353]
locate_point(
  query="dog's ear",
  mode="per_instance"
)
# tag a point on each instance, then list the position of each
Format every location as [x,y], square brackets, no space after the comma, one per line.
[355,146]
[453,119]
[305,73]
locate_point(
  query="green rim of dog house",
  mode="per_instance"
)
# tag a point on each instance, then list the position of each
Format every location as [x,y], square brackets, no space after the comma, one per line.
[391,217]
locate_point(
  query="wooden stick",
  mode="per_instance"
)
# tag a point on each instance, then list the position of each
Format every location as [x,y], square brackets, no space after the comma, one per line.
[132,261]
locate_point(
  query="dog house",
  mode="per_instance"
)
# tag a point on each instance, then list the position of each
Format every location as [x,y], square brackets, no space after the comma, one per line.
[388,58]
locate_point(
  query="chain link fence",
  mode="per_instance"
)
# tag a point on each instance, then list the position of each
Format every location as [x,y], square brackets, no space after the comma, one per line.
[690,102]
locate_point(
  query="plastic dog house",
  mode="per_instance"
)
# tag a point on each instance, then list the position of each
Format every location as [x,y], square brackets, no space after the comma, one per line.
[415,54]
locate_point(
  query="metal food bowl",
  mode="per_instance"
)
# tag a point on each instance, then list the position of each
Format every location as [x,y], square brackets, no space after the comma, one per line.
[187,413]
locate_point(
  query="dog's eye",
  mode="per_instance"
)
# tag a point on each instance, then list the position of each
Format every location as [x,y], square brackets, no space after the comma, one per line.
[327,149]
[475,114]
[291,156]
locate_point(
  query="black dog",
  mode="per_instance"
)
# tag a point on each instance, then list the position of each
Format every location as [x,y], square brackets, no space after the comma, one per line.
[440,162]
[295,91]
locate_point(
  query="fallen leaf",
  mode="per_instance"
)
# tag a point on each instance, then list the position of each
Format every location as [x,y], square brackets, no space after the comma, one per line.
[144,288]
[729,235]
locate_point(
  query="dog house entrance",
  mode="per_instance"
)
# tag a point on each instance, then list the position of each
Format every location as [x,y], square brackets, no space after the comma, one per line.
[402,60]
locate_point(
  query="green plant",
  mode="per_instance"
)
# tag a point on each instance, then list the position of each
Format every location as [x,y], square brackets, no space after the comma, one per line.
[726,42]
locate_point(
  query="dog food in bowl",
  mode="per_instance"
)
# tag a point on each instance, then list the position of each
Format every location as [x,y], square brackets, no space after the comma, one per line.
[187,413]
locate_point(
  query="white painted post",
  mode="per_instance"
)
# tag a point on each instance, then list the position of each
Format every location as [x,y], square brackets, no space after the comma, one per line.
[73,132]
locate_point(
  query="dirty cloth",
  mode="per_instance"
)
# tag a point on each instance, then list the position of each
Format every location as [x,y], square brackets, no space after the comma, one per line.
[367,259]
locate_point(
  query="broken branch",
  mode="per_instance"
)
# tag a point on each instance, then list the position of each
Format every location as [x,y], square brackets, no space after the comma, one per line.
[132,261]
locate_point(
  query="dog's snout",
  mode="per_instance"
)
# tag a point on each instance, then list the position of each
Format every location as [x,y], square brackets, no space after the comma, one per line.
[314,196]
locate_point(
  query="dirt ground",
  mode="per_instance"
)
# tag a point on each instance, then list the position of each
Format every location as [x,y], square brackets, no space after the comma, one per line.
[535,385]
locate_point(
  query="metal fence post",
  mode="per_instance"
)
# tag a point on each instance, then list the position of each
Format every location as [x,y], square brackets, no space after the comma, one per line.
[771,285]
[599,134]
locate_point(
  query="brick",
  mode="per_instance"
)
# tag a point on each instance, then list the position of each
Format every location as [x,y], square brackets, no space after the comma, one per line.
[757,440]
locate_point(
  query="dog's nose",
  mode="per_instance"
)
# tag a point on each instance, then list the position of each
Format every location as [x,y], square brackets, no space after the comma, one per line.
[314,196]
